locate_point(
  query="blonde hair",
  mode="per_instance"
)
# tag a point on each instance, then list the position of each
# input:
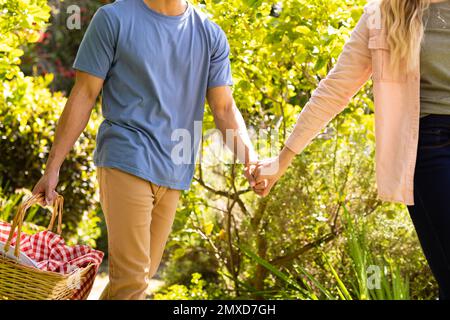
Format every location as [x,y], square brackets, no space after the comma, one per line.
[403,22]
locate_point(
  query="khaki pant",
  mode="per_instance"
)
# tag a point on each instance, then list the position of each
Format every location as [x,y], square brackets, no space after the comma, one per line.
[139,217]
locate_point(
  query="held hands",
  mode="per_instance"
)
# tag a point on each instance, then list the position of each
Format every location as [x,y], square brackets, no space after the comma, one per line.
[264,174]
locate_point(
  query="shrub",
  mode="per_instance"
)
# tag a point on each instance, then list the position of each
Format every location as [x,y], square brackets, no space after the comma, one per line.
[57,46]
[369,278]
[29,113]
[196,290]
[28,118]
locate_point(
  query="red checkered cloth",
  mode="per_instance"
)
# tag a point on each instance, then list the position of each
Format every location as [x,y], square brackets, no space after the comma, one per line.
[50,253]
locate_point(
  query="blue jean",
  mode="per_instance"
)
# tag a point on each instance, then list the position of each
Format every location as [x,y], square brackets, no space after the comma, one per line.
[431,212]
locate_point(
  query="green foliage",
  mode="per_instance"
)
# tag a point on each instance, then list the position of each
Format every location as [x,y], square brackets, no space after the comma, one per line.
[8,208]
[55,50]
[88,230]
[361,254]
[28,116]
[195,291]
[20,22]
[388,284]
[277,62]
[293,289]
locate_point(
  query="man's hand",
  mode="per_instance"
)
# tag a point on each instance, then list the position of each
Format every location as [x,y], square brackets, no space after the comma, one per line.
[47,186]
[249,173]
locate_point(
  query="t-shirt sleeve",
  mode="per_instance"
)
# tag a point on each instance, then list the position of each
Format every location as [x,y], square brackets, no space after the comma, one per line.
[96,52]
[220,68]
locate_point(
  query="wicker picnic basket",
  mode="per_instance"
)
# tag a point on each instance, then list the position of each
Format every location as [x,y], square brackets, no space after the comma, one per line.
[20,282]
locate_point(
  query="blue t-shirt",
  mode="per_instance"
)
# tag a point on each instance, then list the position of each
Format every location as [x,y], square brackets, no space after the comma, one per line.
[157,70]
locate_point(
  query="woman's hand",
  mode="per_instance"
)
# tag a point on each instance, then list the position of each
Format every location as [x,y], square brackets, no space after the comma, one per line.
[269,171]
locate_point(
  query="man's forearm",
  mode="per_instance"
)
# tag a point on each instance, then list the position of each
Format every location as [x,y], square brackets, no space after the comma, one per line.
[71,124]
[235,134]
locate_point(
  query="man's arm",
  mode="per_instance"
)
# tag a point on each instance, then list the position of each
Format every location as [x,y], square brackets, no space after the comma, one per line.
[229,121]
[71,124]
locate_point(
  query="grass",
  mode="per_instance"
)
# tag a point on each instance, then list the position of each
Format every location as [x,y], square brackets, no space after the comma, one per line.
[371,278]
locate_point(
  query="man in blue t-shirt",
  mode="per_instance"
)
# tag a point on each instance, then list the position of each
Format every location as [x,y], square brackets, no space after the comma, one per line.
[156,61]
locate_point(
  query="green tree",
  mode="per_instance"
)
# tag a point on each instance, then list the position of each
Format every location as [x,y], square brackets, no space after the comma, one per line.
[28,115]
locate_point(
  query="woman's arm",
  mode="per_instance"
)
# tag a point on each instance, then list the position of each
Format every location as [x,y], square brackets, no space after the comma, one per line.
[351,72]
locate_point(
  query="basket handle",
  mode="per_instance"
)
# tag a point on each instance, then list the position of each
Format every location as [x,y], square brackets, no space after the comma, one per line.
[20,216]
